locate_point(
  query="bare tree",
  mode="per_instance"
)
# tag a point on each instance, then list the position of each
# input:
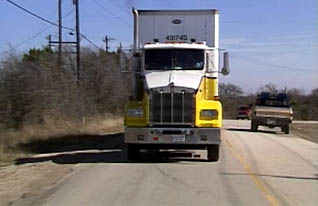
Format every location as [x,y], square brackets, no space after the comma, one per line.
[231,98]
[35,90]
[271,88]
[229,90]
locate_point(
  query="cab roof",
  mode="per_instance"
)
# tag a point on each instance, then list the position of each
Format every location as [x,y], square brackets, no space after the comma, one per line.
[176,45]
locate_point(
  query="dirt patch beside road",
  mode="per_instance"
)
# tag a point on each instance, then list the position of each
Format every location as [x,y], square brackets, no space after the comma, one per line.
[32,164]
[307,131]
[22,181]
[33,174]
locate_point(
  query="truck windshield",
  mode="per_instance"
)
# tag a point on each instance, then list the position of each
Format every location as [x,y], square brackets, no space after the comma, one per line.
[174,59]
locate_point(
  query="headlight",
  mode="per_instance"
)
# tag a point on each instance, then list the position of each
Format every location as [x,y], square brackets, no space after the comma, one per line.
[135,112]
[208,114]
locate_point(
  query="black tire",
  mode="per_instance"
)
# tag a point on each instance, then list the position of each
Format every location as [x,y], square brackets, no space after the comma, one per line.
[254,127]
[132,152]
[213,153]
[285,129]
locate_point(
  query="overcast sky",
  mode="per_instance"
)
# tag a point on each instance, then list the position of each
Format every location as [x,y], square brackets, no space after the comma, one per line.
[272,41]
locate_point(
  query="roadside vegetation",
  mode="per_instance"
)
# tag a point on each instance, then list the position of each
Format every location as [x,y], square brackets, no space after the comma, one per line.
[40,100]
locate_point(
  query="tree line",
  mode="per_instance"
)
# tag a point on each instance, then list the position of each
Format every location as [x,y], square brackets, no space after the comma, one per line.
[305,106]
[35,90]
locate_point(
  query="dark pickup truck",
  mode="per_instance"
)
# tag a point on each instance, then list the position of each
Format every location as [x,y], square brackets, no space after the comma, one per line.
[272,111]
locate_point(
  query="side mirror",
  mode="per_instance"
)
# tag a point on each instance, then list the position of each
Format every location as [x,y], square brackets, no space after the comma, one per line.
[136,62]
[129,62]
[226,66]
[124,61]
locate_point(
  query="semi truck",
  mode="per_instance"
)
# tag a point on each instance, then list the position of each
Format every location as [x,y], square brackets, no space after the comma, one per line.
[272,110]
[174,62]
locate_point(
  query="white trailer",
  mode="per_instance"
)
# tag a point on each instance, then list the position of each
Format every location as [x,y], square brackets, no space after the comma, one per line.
[176,26]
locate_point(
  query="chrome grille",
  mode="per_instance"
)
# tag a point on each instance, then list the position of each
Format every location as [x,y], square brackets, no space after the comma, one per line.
[172,108]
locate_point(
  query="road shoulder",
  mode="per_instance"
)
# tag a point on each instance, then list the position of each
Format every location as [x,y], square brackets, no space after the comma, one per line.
[19,182]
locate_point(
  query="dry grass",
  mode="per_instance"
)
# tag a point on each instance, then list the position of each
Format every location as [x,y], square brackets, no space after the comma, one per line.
[18,182]
[10,139]
[307,131]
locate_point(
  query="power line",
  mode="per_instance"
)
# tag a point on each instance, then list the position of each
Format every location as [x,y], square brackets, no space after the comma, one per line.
[119,6]
[28,39]
[111,13]
[47,21]
[37,16]
[37,34]
[32,37]
[92,43]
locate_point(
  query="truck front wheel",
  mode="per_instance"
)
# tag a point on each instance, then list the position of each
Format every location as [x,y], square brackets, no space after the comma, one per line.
[285,129]
[213,153]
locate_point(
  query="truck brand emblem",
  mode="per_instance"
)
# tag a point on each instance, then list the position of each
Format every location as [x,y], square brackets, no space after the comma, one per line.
[176,21]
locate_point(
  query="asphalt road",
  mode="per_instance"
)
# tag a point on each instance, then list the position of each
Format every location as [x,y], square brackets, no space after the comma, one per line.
[255,168]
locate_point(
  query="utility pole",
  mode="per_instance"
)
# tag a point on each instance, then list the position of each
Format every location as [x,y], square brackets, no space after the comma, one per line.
[120,46]
[107,41]
[60,41]
[60,34]
[78,52]
[50,41]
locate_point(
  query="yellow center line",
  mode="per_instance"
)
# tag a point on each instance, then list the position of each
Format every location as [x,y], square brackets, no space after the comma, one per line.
[258,182]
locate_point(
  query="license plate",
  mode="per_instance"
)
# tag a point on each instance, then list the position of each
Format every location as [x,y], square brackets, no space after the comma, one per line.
[270,121]
[178,138]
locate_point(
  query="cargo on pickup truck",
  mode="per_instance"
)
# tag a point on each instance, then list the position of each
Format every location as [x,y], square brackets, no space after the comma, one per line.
[272,111]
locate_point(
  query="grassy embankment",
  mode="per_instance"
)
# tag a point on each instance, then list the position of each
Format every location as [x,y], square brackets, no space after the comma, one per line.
[11,140]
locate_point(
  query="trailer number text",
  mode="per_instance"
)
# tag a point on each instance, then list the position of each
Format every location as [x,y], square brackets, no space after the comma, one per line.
[177,37]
